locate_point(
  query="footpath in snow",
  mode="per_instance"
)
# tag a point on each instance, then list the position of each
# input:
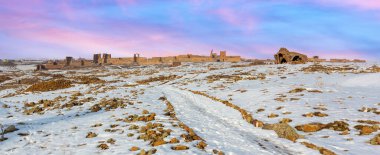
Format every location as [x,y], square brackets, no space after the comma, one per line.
[223,127]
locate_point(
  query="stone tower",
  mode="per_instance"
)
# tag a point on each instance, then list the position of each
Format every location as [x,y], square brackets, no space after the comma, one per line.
[222,56]
[69,60]
[106,58]
[97,58]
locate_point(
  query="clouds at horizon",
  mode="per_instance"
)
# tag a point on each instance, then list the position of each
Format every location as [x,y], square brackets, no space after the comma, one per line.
[251,28]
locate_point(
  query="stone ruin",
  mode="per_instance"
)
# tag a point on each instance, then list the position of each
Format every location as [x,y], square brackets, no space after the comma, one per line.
[285,57]
[106,59]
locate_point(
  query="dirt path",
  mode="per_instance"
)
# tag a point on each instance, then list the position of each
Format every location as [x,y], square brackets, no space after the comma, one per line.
[221,126]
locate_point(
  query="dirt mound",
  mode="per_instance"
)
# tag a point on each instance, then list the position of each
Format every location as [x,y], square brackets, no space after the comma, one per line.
[88,80]
[314,127]
[50,86]
[375,140]
[10,129]
[91,135]
[312,114]
[366,129]
[179,147]
[297,90]
[103,146]
[109,104]
[283,130]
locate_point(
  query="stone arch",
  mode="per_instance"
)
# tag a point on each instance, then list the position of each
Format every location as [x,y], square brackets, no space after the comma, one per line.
[283,61]
[297,58]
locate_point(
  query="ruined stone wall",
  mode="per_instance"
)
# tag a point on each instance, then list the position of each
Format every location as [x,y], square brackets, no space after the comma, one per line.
[86,63]
[201,59]
[316,60]
[339,60]
[142,60]
[223,56]
[120,61]
[168,59]
[75,63]
[233,59]
[50,66]
[155,60]
[346,60]
[359,61]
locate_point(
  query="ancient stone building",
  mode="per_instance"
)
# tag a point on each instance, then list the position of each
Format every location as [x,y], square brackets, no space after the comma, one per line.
[284,56]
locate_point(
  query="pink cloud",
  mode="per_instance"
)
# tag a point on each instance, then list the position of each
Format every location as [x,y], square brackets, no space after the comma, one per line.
[352,4]
[361,4]
[236,18]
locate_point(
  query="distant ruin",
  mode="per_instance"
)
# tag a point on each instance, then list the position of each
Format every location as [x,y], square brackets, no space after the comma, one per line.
[284,56]
[106,59]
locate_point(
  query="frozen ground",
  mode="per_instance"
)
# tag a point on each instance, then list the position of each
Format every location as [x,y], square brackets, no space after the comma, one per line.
[265,92]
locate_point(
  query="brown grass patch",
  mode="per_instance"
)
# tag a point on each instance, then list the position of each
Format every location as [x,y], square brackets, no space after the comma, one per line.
[328,69]
[314,127]
[50,86]
[88,80]
[375,140]
[321,150]
[4,78]
[159,78]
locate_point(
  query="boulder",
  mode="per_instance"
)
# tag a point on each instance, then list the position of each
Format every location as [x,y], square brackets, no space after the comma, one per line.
[283,130]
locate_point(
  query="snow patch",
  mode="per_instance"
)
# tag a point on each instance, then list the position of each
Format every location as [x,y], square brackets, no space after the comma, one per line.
[367,80]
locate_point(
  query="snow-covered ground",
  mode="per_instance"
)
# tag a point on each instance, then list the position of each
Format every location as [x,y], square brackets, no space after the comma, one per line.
[261,90]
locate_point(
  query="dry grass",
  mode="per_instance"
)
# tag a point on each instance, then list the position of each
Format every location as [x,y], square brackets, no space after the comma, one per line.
[50,86]
[321,150]
[159,78]
[88,80]
[4,78]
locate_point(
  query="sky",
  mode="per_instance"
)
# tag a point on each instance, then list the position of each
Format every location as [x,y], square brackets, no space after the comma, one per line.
[251,28]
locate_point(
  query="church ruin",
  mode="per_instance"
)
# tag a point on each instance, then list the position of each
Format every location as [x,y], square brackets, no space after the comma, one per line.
[284,56]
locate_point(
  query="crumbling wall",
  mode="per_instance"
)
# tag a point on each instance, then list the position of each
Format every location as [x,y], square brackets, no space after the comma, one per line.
[339,60]
[233,59]
[120,61]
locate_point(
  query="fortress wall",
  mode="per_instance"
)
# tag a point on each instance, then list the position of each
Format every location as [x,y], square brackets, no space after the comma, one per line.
[339,60]
[120,61]
[233,59]
[50,66]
